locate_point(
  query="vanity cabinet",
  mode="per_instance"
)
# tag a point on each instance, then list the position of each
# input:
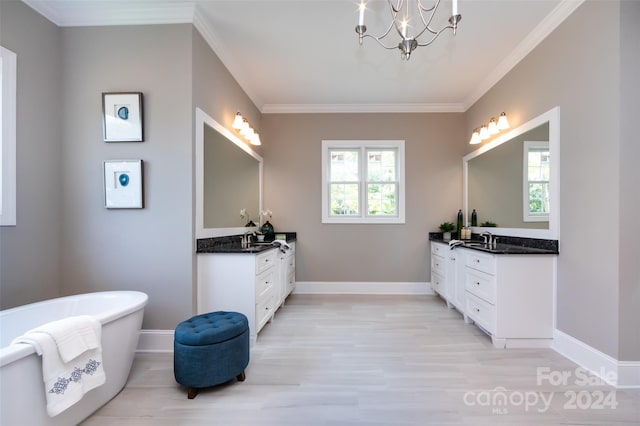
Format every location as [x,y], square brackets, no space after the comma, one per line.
[445,275]
[510,297]
[286,273]
[242,282]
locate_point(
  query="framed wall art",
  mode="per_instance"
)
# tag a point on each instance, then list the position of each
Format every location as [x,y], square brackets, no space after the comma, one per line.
[122,119]
[123,184]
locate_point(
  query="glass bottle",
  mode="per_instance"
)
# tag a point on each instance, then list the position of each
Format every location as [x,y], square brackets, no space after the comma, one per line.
[474,218]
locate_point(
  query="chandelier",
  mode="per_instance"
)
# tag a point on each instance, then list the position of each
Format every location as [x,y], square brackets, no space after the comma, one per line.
[406,20]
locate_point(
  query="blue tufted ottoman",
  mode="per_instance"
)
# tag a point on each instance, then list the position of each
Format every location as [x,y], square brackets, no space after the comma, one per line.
[210,349]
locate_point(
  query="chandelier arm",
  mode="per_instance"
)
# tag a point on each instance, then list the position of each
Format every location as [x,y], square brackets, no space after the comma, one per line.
[395,9]
[428,9]
[427,23]
[378,40]
[436,34]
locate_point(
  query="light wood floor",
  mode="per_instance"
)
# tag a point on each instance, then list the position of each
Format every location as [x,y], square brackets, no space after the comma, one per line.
[373,360]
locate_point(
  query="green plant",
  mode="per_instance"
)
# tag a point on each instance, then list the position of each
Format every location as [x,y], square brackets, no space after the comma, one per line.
[447,227]
[488,224]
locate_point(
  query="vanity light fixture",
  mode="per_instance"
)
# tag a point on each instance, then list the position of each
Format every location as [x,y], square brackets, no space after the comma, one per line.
[410,20]
[485,131]
[241,125]
[475,137]
[503,123]
[493,127]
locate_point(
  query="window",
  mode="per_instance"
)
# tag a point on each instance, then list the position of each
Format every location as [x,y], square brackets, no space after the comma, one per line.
[7,137]
[363,182]
[536,181]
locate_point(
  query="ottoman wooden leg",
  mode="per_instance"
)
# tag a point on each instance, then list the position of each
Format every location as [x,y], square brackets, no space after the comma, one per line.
[192,392]
[241,377]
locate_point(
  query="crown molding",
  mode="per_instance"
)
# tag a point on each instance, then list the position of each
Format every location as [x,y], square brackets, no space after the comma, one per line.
[358,108]
[539,33]
[116,13]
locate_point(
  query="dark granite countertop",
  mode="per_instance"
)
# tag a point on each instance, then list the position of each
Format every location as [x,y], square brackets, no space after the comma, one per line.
[233,244]
[506,244]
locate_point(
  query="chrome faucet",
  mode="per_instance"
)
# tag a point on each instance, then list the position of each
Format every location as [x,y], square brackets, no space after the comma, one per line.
[246,238]
[488,238]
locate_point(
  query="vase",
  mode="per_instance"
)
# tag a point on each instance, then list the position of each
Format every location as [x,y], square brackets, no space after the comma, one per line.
[446,236]
[267,230]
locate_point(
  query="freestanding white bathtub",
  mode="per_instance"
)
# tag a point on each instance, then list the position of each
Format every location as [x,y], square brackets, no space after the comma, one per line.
[22,394]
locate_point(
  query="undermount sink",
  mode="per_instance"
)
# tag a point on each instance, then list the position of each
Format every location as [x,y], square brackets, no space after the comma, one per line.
[261,243]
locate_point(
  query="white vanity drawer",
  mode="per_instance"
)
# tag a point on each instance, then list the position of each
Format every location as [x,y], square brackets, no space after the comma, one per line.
[438,265]
[481,261]
[264,283]
[439,249]
[265,310]
[437,283]
[266,260]
[480,311]
[480,284]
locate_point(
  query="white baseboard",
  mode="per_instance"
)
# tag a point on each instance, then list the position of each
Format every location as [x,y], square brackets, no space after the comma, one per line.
[155,341]
[621,374]
[352,287]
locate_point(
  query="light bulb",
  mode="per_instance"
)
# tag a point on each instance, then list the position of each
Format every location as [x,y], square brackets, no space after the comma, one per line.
[484,132]
[475,137]
[493,127]
[237,122]
[503,123]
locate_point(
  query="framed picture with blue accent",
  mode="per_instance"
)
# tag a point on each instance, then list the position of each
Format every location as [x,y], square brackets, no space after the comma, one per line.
[122,119]
[123,184]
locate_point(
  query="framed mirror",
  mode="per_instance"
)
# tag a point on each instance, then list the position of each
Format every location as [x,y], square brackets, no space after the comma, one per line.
[228,179]
[513,181]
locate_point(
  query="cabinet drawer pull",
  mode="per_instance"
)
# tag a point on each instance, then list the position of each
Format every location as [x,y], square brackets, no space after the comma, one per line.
[477,310]
[477,282]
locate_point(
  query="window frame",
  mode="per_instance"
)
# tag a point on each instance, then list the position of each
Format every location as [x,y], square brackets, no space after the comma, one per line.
[527,216]
[8,80]
[363,146]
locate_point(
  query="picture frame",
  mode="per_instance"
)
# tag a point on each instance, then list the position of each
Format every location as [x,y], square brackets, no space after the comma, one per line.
[122,182]
[122,117]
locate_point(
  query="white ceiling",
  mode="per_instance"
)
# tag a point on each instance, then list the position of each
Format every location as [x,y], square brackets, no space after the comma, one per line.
[304,56]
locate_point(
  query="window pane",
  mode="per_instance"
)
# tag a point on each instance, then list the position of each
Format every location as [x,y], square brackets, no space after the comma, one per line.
[539,198]
[344,199]
[381,200]
[538,163]
[343,166]
[381,165]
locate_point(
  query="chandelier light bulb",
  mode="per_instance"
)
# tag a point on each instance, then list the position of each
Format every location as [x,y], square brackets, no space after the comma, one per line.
[362,7]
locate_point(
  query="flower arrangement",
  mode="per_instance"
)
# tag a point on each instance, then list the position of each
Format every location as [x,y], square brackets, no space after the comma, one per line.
[266,213]
[244,215]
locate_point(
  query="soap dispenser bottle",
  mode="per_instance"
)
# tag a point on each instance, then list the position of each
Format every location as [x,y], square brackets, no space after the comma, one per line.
[474,218]
[459,223]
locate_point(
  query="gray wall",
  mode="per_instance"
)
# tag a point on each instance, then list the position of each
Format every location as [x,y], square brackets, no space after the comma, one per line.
[30,251]
[146,249]
[596,276]
[364,252]
[629,224]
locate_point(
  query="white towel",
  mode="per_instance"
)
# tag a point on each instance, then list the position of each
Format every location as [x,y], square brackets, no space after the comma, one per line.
[73,335]
[66,382]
